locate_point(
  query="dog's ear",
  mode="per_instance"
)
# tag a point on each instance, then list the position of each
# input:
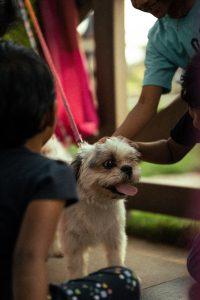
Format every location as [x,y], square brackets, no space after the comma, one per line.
[76,164]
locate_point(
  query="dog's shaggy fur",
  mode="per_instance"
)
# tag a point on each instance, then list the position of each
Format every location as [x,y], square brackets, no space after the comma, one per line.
[106,173]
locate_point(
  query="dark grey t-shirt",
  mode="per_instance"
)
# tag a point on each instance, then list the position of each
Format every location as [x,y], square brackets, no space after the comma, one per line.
[26,176]
[184,132]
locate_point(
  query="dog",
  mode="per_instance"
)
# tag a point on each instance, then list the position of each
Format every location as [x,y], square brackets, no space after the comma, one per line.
[106,174]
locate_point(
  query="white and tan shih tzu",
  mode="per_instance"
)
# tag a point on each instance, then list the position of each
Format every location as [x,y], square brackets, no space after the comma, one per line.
[106,174]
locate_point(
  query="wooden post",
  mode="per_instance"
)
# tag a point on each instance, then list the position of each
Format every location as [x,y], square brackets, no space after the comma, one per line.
[110,63]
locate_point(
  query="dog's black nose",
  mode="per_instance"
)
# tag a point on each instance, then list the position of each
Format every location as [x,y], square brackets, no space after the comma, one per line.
[127,170]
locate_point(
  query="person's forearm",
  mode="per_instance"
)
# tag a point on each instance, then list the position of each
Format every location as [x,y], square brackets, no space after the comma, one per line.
[142,113]
[163,151]
[135,121]
[30,279]
[156,152]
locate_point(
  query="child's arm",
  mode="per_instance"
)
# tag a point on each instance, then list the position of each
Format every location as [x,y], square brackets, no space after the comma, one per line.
[142,113]
[29,262]
[163,151]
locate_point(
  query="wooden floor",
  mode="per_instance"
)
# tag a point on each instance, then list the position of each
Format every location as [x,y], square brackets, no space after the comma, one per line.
[162,270]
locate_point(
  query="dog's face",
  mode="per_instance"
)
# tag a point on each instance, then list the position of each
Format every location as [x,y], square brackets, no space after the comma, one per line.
[108,169]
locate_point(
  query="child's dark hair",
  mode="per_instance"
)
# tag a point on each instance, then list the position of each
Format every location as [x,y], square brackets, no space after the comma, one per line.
[191,83]
[8,14]
[27,94]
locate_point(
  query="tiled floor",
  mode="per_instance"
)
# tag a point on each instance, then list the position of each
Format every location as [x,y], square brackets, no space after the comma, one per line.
[162,269]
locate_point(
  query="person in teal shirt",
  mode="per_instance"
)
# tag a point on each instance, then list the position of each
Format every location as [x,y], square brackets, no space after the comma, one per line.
[172,44]
[173,41]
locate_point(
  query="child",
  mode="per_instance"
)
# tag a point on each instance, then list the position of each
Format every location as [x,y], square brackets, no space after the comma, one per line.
[173,41]
[183,138]
[34,189]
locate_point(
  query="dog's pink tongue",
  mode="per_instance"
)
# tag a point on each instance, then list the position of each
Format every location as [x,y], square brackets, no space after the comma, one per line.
[126,189]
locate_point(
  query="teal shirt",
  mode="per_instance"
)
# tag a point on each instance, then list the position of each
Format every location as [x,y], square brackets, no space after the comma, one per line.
[172,43]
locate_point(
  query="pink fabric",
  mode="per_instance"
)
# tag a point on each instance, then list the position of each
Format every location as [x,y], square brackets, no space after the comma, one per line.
[59,19]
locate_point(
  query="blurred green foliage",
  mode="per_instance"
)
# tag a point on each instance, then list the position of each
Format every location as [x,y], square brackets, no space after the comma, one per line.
[18,35]
[162,228]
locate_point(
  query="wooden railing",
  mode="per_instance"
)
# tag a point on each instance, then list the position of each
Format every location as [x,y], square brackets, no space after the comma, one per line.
[172,200]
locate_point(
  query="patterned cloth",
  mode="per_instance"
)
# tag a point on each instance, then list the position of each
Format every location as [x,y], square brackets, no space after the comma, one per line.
[114,283]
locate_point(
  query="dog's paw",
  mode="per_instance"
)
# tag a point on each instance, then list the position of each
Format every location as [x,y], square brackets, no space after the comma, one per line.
[56,254]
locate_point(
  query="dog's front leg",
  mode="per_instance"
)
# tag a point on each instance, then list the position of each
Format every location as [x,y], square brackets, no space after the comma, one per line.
[75,258]
[75,264]
[56,248]
[115,246]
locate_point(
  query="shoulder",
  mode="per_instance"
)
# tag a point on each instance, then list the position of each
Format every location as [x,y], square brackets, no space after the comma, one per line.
[43,164]
[60,169]
[55,180]
[51,179]
[159,36]
[159,27]
[57,170]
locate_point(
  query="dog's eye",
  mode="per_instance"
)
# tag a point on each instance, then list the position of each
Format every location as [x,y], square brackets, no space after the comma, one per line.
[109,164]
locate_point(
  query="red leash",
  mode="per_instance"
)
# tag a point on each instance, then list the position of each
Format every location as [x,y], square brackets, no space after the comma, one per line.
[49,60]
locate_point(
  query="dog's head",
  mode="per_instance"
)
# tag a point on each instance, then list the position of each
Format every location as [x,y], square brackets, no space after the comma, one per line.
[108,169]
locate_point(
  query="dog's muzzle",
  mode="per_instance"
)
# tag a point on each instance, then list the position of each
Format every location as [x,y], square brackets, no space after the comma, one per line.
[127,170]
